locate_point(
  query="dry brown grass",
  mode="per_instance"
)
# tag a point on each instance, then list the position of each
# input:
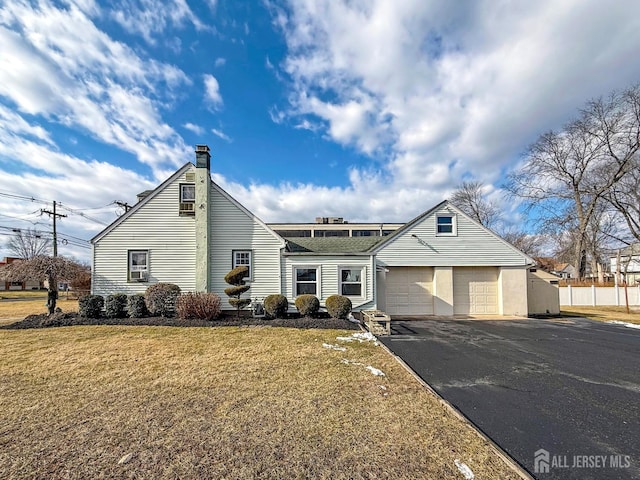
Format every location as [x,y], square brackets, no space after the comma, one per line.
[12,310]
[605,314]
[221,402]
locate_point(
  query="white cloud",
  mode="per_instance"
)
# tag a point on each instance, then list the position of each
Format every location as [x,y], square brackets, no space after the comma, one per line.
[150,18]
[61,67]
[212,91]
[197,129]
[220,62]
[221,134]
[445,91]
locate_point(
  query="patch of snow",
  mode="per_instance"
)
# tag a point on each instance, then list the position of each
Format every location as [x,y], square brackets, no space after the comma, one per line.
[334,347]
[351,362]
[464,470]
[359,337]
[352,319]
[126,459]
[626,324]
[375,371]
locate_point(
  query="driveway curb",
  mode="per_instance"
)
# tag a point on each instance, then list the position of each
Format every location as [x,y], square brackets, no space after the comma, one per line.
[514,465]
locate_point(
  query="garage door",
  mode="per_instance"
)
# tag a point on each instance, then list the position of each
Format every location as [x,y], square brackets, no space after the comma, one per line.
[409,291]
[475,290]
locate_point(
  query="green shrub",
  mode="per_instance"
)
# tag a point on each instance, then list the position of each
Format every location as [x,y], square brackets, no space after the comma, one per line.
[276,306]
[90,306]
[338,306]
[161,299]
[308,305]
[200,306]
[136,306]
[115,306]
[236,278]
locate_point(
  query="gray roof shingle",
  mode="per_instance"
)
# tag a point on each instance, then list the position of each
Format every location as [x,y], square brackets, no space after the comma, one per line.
[325,245]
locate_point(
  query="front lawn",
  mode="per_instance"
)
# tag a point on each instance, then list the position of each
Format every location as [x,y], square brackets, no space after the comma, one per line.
[604,314]
[13,310]
[226,402]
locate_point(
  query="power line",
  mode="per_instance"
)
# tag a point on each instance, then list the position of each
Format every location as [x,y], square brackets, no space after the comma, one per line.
[75,211]
[54,215]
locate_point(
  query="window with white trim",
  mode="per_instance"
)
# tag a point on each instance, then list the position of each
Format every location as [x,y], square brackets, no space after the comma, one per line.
[305,281]
[138,265]
[242,258]
[187,193]
[351,282]
[446,225]
[187,199]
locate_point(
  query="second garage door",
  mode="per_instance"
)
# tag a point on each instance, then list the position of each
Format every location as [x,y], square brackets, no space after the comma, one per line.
[475,290]
[409,291]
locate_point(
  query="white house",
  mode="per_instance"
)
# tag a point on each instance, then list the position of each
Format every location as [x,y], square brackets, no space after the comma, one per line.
[190,232]
[629,264]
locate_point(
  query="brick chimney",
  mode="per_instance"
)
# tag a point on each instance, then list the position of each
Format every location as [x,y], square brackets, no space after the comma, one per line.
[202,207]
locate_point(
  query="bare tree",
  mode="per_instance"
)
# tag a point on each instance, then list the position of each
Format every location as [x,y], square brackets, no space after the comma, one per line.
[625,198]
[567,174]
[46,268]
[470,198]
[529,243]
[27,244]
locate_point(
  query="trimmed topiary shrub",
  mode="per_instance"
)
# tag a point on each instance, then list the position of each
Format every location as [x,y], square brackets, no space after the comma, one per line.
[308,305]
[136,306]
[200,306]
[338,306]
[276,306]
[90,306]
[236,278]
[115,306]
[161,299]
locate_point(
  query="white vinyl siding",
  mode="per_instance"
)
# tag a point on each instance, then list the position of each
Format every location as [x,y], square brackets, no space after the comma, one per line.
[155,227]
[475,291]
[471,246]
[329,276]
[409,291]
[233,229]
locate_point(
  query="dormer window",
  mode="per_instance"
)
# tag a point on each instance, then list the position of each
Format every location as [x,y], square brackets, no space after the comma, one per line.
[446,225]
[187,198]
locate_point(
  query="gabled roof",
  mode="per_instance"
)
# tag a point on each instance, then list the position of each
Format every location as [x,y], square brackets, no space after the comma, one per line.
[137,206]
[450,206]
[331,245]
[187,166]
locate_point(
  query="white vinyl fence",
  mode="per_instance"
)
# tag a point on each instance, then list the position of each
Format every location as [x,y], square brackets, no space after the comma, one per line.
[598,296]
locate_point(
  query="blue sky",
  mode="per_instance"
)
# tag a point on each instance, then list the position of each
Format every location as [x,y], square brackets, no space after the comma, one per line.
[369,110]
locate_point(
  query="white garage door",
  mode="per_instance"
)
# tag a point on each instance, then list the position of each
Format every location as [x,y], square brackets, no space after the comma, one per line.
[475,290]
[409,291]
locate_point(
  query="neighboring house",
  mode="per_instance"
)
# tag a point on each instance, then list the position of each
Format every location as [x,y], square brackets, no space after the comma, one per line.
[6,284]
[190,232]
[559,269]
[629,263]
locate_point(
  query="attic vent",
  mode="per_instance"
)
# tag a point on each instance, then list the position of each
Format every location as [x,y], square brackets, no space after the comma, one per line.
[188,208]
[190,177]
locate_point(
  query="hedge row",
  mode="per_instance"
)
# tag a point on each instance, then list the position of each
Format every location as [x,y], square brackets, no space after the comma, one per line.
[161,299]
[165,299]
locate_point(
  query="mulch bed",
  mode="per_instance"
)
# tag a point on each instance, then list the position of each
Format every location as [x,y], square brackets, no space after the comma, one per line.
[72,318]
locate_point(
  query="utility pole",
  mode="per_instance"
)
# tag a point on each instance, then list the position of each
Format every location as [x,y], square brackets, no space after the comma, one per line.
[54,215]
[124,205]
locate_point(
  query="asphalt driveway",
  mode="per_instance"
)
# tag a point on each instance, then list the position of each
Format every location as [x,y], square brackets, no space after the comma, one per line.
[569,387]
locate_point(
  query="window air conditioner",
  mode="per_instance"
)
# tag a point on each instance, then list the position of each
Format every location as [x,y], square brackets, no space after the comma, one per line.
[189,208]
